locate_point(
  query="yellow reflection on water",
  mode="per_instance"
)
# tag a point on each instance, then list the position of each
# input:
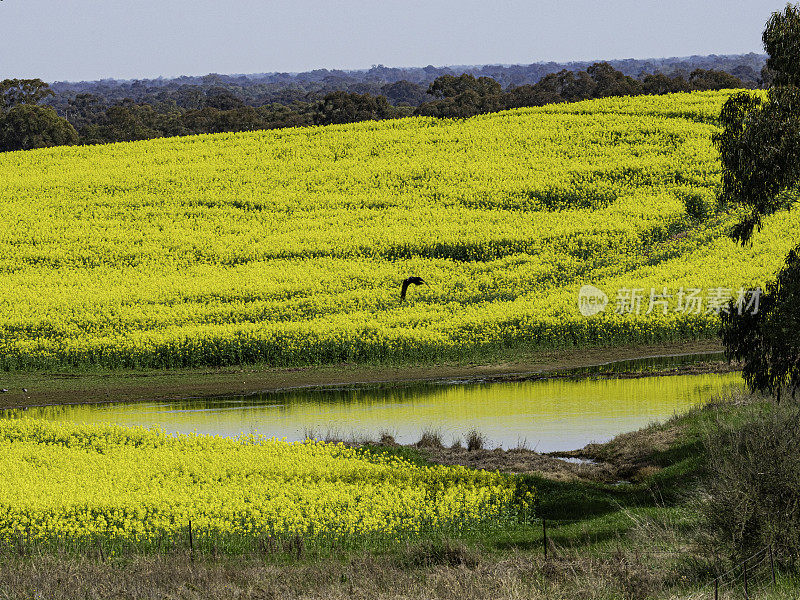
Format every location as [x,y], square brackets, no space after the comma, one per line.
[548,415]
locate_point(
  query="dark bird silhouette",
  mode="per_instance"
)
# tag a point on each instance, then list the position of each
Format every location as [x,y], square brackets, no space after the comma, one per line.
[408,282]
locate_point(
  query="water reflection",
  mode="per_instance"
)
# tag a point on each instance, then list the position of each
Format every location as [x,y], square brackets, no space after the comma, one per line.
[547,415]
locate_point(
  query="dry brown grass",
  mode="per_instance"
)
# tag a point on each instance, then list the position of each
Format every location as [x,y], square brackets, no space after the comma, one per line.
[475,440]
[520,460]
[421,572]
[431,438]
[386,438]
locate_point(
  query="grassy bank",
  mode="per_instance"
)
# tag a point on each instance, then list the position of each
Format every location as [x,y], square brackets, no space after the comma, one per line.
[627,525]
[100,385]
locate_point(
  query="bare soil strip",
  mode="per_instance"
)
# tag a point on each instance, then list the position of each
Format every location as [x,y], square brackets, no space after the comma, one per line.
[42,388]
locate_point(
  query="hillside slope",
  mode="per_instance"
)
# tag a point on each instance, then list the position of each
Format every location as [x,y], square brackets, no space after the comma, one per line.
[288,247]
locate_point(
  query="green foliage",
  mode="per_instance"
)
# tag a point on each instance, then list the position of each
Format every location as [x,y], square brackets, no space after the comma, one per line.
[782,43]
[23,124]
[462,97]
[659,83]
[760,152]
[27,126]
[759,148]
[753,485]
[760,139]
[448,86]
[465,96]
[218,108]
[702,79]
[129,121]
[610,82]
[341,107]
[14,92]
[404,92]
[767,341]
[567,86]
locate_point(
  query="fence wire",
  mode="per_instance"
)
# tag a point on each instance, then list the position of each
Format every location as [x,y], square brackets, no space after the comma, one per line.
[721,582]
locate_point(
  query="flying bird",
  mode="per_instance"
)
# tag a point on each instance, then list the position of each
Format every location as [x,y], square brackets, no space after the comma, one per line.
[408,282]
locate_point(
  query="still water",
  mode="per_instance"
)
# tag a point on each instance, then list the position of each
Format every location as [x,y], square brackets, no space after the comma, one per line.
[545,415]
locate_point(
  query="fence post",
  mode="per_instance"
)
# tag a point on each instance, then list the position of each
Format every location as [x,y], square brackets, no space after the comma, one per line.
[746,594]
[191,541]
[544,536]
[772,566]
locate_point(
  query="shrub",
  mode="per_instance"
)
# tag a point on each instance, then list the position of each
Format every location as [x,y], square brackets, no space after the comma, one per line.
[429,553]
[431,438]
[475,440]
[699,202]
[387,439]
[753,484]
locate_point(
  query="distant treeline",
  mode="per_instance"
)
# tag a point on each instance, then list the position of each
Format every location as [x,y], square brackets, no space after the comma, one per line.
[288,88]
[34,114]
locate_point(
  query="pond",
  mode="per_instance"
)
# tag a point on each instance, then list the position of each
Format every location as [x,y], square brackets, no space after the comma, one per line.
[553,414]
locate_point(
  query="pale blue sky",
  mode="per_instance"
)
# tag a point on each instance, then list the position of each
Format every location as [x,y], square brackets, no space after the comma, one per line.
[91,39]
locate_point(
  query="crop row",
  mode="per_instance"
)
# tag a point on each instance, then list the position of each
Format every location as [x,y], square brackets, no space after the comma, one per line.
[289,246]
[74,484]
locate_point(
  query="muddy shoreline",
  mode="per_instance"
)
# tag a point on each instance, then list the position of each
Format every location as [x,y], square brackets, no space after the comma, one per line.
[625,459]
[29,389]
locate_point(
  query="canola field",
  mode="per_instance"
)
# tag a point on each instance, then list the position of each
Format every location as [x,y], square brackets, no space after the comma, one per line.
[68,486]
[288,247]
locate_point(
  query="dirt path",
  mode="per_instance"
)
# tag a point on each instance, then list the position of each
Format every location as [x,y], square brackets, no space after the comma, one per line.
[129,386]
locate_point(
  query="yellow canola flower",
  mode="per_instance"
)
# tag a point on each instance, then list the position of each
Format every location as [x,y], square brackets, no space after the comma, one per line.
[288,246]
[69,481]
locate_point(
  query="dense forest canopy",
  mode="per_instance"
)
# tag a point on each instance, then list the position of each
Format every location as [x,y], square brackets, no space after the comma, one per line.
[285,88]
[111,110]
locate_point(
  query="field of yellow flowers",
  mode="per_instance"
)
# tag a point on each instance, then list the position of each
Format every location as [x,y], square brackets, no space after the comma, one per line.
[73,486]
[288,247]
